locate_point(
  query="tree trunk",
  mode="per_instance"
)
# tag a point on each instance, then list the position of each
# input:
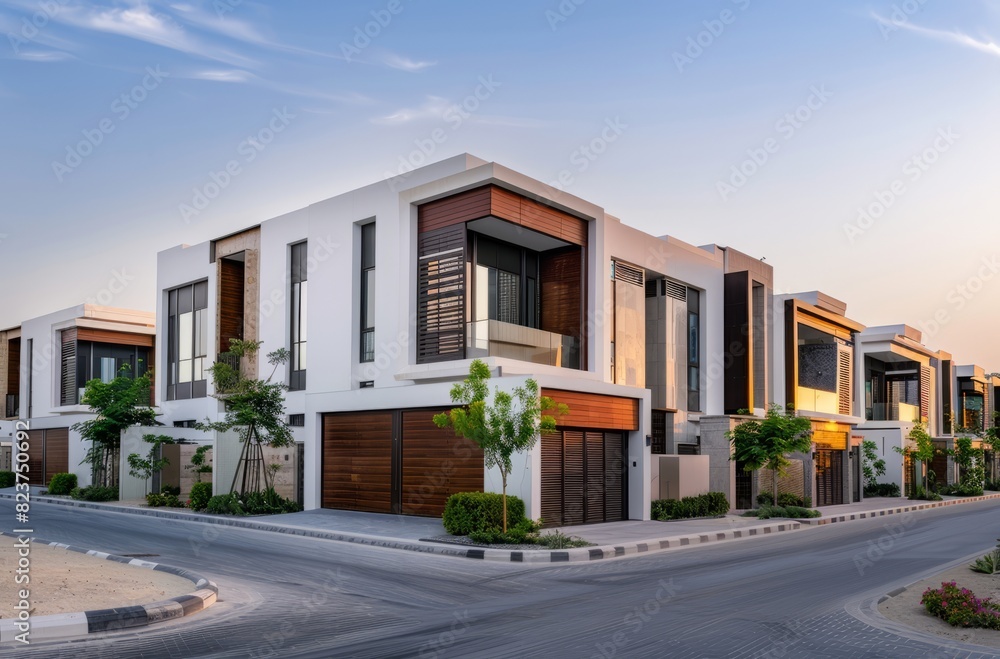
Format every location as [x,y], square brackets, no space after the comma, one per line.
[503,479]
[774,487]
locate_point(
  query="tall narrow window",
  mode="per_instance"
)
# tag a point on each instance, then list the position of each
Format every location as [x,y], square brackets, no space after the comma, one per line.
[368,292]
[694,350]
[298,321]
[187,341]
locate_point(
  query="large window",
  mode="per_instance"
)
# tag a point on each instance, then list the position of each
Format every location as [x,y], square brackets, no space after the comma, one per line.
[187,341]
[506,283]
[694,350]
[368,292]
[297,321]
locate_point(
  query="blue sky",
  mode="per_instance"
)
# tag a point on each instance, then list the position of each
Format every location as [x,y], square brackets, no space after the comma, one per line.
[113,114]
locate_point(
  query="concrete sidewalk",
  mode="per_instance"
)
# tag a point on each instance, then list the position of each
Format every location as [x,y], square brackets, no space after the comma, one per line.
[611,539]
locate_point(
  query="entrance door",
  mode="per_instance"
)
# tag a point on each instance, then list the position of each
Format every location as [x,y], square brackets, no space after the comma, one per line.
[584,477]
[829,477]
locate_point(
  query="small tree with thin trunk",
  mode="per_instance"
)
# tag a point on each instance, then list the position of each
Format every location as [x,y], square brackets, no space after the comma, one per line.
[256,409]
[145,467]
[511,424]
[765,443]
[921,450]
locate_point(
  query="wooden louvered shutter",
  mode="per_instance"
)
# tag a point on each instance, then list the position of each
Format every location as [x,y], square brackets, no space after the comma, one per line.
[441,294]
[67,368]
[844,396]
[614,469]
[552,478]
[594,465]
[925,392]
[573,477]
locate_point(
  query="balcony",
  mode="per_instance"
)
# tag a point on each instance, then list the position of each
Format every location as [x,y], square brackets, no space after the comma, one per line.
[494,338]
[893,412]
[12,406]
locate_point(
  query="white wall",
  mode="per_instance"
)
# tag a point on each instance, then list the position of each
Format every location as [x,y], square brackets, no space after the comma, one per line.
[887,436]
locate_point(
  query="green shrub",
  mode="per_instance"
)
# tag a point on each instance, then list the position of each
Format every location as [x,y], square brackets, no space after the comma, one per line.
[786,512]
[882,490]
[988,564]
[959,607]
[62,483]
[200,494]
[961,490]
[557,540]
[991,485]
[920,494]
[154,500]
[712,504]
[7,479]
[267,502]
[95,493]
[171,489]
[524,532]
[784,499]
[465,512]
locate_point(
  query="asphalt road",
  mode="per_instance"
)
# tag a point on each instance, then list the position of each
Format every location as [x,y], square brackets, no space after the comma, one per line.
[282,596]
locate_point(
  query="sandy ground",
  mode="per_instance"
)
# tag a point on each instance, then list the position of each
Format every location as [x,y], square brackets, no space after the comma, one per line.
[906,607]
[65,581]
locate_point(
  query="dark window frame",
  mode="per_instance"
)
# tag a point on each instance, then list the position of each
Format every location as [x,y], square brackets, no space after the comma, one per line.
[367,325]
[694,349]
[177,390]
[298,310]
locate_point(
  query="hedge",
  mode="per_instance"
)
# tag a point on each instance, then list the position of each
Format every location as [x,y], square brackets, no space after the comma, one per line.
[468,512]
[703,505]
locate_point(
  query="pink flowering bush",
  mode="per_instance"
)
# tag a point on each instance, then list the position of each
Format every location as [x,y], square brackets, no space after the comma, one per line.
[959,607]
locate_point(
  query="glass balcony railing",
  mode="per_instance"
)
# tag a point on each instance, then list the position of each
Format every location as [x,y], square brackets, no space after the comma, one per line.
[493,338]
[893,412]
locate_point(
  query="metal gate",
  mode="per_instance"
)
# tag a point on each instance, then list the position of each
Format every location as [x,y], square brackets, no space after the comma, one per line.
[829,477]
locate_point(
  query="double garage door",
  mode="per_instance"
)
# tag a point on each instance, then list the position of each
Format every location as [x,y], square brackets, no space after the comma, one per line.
[395,461]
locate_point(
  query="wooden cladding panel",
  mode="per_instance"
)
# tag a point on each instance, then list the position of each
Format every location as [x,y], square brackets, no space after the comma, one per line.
[36,457]
[13,365]
[357,461]
[561,275]
[113,337]
[436,464]
[506,205]
[231,301]
[56,452]
[595,410]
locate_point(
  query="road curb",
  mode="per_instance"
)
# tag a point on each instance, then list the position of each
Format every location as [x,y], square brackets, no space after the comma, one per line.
[531,556]
[897,510]
[66,625]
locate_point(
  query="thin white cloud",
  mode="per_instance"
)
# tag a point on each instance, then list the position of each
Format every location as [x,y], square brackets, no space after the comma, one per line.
[227,75]
[950,36]
[433,108]
[44,56]
[402,63]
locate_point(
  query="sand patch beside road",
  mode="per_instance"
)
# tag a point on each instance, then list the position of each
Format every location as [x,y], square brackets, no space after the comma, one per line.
[65,581]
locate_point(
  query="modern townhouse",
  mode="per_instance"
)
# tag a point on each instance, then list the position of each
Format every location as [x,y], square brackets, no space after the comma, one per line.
[814,348]
[383,296]
[58,354]
[901,383]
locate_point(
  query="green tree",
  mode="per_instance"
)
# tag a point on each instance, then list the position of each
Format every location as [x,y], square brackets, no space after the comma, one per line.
[764,443]
[970,463]
[198,461]
[255,408]
[119,404]
[145,467]
[921,448]
[511,424]
[872,466]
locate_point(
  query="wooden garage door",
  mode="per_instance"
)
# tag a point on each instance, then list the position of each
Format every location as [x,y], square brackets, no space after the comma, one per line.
[583,477]
[56,452]
[357,461]
[36,457]
[436,464]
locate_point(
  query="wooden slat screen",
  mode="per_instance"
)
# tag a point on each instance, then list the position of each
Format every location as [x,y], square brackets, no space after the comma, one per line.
[596,410]
[561,275]
[436,464]
[594,469]
[506,205]
[56,452]
[573,477]
[615,467]
[552,478]
[231,301]
[441,277]
[13,366]
[844,393]
[925,394]
[67,368]
[113,337]
[357,461]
